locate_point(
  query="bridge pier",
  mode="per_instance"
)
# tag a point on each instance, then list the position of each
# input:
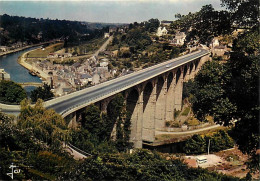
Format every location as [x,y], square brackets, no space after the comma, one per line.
[161,91]
[202,60]
[192,72]
[139,125]
[72,119]
[178,89]
[169,102]
[149,101]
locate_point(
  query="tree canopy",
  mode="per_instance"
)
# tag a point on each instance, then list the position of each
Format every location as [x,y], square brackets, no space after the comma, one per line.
[11,92]
[46,124]
[230,91]
[43,93]
[245,13]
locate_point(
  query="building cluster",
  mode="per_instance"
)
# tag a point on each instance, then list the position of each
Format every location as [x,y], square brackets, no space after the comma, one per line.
[13,46]
[218,49]
[65,79]
[115,29]
[4,75]
[178,38]
[59,55]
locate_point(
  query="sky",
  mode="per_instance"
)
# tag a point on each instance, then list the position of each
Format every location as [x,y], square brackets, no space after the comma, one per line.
[106,11]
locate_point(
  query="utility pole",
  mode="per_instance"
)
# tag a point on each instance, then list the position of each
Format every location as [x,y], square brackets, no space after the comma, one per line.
[208,146]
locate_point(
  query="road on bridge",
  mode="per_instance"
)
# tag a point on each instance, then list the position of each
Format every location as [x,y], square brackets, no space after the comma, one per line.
[69,103]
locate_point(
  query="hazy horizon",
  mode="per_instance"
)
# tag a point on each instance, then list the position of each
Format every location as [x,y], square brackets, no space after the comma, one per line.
[104,11]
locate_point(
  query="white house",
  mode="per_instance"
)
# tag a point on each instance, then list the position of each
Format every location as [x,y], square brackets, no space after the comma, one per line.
[95,79]
[106,35]
[179,39]
[161,31]
[4,48]
[219,50]
[103,62]
[214,42]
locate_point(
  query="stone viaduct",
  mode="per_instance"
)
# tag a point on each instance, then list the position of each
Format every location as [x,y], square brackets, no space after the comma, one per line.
[151,103]
[151,96]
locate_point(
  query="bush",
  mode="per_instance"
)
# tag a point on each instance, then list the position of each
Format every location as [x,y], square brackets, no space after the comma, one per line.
[11,92]
[195,145]
[176,124]
[186,111]
[219,141]
[192,122]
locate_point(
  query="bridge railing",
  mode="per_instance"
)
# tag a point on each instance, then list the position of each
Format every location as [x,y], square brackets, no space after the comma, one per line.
[113,80]
[112,91]
[78,150]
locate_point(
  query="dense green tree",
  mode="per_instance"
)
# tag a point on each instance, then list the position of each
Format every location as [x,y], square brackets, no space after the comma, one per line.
[211,96]
[199,143]
[11,92]
[190,89]
[245,13]
[115,41]
[195,145]
[27,30]
[230,91]
[43,93]
[243,91]
[92,120]
[141,165]
[205,24]
[247,42]
[152,25]
[219,141]
[138,39]
[117,115]
[46,124]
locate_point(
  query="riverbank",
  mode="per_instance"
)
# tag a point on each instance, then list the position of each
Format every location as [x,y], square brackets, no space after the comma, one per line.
[22,61]
[23,48]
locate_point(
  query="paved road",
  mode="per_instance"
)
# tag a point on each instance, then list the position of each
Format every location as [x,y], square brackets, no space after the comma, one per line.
[103,47]
[69,103]
[187,132]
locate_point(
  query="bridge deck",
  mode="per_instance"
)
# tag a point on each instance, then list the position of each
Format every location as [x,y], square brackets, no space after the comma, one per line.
[72,102]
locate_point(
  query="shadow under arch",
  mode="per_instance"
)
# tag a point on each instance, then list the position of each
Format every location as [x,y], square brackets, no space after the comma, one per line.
[178,74]
[191,67]
[159,86]
[169,80]
[131,102]
[147,93]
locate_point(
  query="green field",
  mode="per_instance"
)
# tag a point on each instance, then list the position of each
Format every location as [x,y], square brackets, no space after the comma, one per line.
[87,48]
[40,53]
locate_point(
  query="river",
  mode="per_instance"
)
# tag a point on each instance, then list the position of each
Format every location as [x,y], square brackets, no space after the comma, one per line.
[17,72]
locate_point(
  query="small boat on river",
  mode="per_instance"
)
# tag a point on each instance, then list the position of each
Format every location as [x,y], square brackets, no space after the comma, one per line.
[32,72]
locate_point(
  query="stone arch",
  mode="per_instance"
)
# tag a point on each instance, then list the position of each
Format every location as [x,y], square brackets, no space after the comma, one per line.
[185,70]
[132,108]
[169,80]
[178,75]
[147,94]
[149,105]
[131,101]
[191,67]
[160,103]
[196,62]
[169,102]
[159,86]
